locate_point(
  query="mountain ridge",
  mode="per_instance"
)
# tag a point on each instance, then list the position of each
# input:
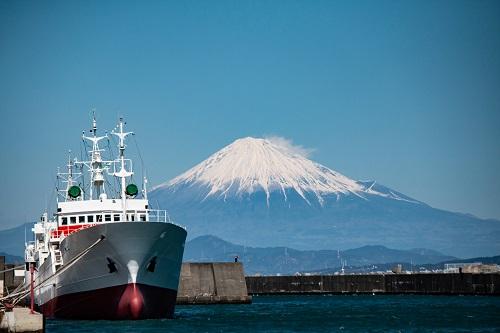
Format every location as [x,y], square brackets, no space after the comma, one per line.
[284,260]
[12,239]
[260,193]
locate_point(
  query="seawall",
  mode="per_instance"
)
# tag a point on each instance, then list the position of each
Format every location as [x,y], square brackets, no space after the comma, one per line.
[428,284]
[212,283]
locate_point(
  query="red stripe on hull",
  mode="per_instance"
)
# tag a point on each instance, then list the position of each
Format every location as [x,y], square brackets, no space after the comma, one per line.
[129,301]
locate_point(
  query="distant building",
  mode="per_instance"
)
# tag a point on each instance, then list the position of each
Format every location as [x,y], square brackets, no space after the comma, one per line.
[2,274]
[474,267]
[398,269]
[457,267]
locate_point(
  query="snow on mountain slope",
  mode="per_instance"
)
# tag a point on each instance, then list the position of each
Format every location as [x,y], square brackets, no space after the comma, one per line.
[263,192]
[250,164]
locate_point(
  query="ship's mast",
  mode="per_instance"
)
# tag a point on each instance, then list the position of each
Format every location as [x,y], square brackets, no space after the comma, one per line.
[68,177]
[69,180]
[96,165]
[123,173]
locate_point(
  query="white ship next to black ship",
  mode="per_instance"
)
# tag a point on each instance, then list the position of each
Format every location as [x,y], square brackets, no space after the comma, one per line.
[103,256]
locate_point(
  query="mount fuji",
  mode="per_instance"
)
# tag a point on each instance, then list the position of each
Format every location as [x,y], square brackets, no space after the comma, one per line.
[266,192]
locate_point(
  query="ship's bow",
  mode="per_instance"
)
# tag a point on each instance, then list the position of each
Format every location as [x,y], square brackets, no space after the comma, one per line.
[133,273]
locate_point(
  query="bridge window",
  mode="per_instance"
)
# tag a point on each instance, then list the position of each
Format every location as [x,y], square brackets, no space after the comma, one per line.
[90,218]
[64,221]
[81,219]
[142,217]
[131,217]
[116,217]
[72,219]
[99,218]
[107,217]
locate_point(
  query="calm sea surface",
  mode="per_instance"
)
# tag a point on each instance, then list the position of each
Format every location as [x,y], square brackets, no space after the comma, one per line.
[379,313]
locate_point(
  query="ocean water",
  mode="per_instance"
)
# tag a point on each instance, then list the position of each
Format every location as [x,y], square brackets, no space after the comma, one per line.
[317,313]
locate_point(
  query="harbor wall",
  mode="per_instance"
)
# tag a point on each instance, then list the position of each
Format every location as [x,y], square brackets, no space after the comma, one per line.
[2,275]
[212,283]
[434,283]
[9,280]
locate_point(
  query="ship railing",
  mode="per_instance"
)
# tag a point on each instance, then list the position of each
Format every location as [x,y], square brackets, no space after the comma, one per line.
[150,215]
[159,215]
[162,216]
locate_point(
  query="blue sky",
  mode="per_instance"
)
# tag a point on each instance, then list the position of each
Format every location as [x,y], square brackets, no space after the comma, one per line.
[404,92]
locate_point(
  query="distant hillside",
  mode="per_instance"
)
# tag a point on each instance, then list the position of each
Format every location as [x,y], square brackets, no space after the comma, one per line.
[283,260]
[12,240]
[10,259]
[407,266]
[484,260]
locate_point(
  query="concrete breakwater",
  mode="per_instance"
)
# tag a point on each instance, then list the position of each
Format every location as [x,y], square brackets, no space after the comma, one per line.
[428,284]
[212,283]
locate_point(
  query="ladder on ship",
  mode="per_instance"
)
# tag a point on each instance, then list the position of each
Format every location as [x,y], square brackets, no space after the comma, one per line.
[57,259]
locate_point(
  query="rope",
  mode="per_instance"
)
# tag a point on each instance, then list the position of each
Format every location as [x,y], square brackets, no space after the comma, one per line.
[140,158]
[54,193]
[11,269]
[23,293]
[112,155]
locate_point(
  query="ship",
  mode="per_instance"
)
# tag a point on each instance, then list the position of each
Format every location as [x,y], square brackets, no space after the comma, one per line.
[104,253]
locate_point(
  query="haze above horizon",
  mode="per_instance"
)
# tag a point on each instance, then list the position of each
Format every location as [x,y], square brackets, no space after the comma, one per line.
[404,93]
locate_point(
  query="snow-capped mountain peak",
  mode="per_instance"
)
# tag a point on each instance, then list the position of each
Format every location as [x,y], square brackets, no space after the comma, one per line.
[309,206]
[257,164]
